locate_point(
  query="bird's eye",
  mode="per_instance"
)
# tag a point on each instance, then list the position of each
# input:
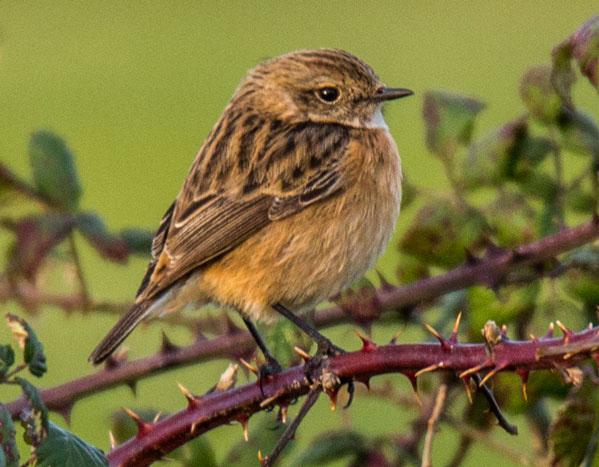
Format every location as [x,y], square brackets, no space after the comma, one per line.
[328,94]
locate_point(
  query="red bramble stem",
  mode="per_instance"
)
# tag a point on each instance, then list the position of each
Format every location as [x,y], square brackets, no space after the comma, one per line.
[219,408]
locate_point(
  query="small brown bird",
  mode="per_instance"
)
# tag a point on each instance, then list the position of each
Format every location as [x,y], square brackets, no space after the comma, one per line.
[292,197]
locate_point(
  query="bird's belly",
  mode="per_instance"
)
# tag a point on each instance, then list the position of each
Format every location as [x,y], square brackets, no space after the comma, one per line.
[308,257]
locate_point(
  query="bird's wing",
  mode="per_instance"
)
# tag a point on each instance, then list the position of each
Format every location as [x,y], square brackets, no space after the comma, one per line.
[232,193]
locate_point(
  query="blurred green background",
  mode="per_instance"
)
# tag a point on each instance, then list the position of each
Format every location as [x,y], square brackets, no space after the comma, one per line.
[135,87]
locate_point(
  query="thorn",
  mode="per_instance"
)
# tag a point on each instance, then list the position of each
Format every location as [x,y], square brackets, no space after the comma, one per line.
[112,440]
[428,369]
[414,383]
[393,340]
[444,344]
[270,400]
[492,373]
[365,380]
[471,259]
[504,330]
[143,427]
[262,459]
[367,344]
[549,334]
[385,285]
[533,338]
[332,393]
[157,417]
[193,427]
[283,413]
[228,379]
[191,399]
[65,410]
[133,386]
[466,381]
[472,370]
[565,330]
[453,339]
[524,376]
[167,346]
[302,353]
[243,419]
[249,366]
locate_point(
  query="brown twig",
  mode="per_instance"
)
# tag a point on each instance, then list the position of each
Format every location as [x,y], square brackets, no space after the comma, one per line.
[212,410]
[432,423]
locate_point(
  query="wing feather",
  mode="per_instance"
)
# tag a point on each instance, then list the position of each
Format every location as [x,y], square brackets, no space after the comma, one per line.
[209,219]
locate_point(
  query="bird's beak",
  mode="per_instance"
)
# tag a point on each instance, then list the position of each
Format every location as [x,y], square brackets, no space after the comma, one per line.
[388,94]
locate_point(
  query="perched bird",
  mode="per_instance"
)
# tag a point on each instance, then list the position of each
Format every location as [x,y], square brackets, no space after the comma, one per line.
[291,198]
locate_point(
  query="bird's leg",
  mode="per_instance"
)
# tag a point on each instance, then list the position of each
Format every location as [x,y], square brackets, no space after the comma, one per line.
[325,346]
[272,366]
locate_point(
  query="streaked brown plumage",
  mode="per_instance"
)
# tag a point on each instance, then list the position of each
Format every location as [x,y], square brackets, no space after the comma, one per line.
[291,198]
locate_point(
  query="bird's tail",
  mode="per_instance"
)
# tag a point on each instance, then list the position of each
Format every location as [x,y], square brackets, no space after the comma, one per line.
[120,331]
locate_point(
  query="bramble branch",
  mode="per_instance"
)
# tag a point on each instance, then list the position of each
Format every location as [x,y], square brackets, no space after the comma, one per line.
[488,270]
[207,412]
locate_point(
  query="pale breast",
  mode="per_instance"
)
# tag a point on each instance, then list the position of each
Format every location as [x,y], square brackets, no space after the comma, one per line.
[314,254]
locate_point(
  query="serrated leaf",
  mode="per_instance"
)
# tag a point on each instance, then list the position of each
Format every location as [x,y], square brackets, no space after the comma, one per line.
[39,409]
[33,350]
[441,233]
[108,245]
[572,430]
[7,358]
[332,446]
[449,120]
[579,132]
[138,241]
[54,171]
[35,238]
[62,448]
[539,96]
[8,442]
[507,153]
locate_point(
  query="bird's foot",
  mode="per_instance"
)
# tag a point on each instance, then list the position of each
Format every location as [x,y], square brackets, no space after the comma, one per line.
[267,371]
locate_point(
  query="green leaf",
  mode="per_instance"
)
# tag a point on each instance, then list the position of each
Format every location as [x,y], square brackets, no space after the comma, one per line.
[33,350]
[511,219]
[579,200]
[39,409]
[35,238]
[449,120]
[138,241]
[579,132]
[441,233]
[572,430]
[7,358]
[54,171]
[539,96]
[9,452]
[550,219]
[62,448]
[109,246]
[332,446]
[507,153]
[409,192]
